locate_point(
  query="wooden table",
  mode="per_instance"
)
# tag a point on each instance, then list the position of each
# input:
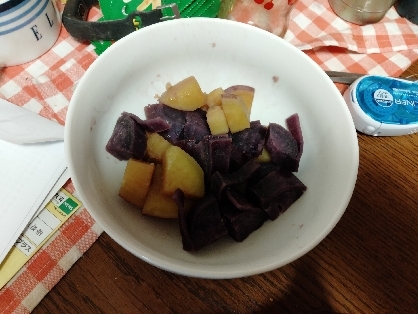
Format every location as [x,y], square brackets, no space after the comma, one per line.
[367,264]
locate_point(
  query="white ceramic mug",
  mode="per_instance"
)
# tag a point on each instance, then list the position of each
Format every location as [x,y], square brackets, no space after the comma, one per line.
[28,29]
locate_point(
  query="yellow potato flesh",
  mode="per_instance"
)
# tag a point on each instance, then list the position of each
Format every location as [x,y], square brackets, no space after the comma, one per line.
[136,181]
[157,203]
[181,171]
[236,113]
[214,97]
[216,120]
[185,95]
[246,93]
[156,146]
[264,156]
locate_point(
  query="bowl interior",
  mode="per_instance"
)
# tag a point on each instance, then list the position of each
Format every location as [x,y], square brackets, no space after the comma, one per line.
[218,53]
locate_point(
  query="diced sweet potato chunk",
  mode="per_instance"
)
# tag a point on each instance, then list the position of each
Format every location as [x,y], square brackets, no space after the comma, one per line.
[214,97]
[217,121]
[136,181]
[156,146]
[245,92]
[157,203]
[128,139]
[236,113]
[181,171]
[185,95]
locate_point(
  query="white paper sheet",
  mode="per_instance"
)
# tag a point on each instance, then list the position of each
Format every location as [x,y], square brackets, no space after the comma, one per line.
[18,125]
[28,172]
[57,186]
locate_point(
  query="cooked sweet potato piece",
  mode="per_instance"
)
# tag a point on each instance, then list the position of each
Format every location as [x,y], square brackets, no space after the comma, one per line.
[136,181]
[277,191]
[185,95]
[282,147]
[236,113]
[245,92]
[128,139]
[156,202]
[181,171]
[156,146]
[217,120]
[250,141]
[241,223]
[293,125]
[214,97]
[213,154]
[176,119]
[196,126]
[202,224]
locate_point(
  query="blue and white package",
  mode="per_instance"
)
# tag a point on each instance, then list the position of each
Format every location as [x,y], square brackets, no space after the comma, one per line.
[383,106]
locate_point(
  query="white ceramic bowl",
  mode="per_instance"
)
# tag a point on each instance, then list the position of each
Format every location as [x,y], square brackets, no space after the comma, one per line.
[219,53]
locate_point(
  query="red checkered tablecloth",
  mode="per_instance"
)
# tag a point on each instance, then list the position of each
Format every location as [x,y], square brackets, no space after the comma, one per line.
[49,265]
[388,47]
[45,86]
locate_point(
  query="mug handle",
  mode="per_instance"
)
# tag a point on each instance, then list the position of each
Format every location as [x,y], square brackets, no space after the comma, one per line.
[74,19]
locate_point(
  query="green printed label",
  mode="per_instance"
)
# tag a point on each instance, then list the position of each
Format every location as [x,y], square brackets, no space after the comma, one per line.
[68,206]
[63,202]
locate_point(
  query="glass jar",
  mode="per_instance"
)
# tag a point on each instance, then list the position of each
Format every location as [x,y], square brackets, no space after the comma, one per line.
[270,15]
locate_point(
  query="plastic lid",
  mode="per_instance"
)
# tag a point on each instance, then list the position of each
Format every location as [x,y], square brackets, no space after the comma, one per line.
[388,100]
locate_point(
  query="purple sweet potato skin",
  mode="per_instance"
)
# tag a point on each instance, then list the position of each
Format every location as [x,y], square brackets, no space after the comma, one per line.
[186,238]
[128,139]
[150,125]
[220,153]
[221,182]
[247,144]
[277,191]
[282,147]
[250,141]
[175,118]
[293,125]
[212,153]
[231,89]
[167,113]
[196,126]
[202,224]
[241,223]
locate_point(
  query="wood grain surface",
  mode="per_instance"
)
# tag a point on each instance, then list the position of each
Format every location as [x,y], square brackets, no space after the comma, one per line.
[367,264]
